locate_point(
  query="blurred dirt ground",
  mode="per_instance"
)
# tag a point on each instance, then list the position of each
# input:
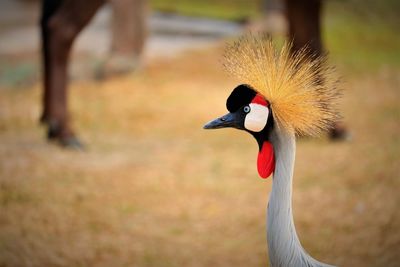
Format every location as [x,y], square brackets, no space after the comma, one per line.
[154,189]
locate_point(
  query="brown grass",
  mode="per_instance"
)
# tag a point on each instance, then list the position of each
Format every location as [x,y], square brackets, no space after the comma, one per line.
[154,189]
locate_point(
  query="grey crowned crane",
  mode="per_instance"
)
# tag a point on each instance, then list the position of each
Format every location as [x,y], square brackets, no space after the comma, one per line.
[281,96]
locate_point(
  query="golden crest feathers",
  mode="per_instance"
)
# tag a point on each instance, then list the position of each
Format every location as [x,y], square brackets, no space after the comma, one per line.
[302,92]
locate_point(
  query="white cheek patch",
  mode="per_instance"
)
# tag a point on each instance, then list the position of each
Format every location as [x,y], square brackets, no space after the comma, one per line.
[257,118]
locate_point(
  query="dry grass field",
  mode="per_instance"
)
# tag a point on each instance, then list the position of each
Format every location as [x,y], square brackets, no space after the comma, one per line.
[154,189]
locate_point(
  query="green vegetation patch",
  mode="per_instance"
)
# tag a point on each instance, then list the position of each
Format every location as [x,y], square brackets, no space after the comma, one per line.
[237,10]
[363,35]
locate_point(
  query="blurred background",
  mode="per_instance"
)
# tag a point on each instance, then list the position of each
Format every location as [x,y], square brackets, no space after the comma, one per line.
[153,188]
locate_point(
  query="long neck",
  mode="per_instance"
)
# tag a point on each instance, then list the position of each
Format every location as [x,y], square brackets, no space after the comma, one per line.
[283,244]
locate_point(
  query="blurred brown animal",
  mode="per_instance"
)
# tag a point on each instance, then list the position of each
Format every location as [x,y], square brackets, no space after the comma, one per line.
[304,23]
[61,22]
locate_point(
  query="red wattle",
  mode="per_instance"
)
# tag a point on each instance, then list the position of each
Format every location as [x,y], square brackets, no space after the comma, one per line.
[266,160]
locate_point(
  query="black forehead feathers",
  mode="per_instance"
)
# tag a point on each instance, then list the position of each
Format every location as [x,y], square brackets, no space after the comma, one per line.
[240,96]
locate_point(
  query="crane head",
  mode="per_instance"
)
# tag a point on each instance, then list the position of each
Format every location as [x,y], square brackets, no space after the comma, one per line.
[250,111]
[290,93]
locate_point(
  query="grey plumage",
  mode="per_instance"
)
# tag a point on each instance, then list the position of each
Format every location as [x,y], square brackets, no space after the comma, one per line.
[284,246]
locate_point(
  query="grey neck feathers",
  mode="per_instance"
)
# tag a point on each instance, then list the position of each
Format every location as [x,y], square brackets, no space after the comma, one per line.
[284,246]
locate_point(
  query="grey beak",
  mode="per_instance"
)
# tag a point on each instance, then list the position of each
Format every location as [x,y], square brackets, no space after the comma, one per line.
[228,120]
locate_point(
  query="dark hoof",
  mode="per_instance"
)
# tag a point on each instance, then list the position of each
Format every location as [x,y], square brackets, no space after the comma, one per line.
[339,135]
[72,143]
[53,133]
[67,140]
[339,132]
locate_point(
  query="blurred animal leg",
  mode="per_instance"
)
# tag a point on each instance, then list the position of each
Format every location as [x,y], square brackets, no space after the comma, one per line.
[49,7]
[304,20]
[129,31]
[61,23]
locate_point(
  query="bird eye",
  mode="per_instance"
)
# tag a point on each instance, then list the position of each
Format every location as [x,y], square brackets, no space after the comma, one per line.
[246,109]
